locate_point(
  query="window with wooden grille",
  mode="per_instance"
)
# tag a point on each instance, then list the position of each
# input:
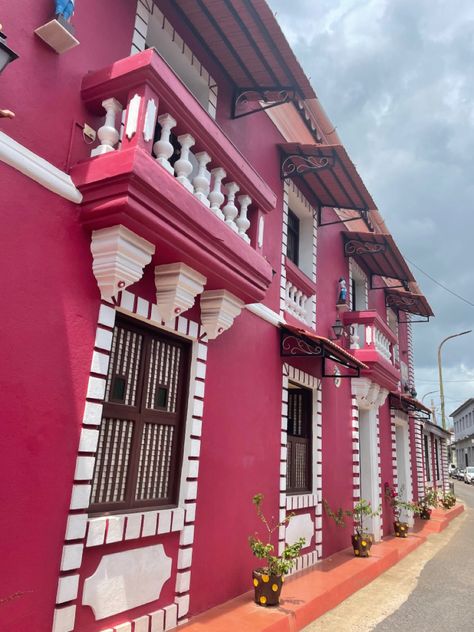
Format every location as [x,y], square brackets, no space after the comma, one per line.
[427,457]
[141,434]
[299,435]
[293,237]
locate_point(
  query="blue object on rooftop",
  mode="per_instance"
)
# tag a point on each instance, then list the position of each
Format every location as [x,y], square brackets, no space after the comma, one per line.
[65,8]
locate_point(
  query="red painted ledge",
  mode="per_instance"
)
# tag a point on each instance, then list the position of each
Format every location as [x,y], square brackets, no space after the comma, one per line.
[313,592]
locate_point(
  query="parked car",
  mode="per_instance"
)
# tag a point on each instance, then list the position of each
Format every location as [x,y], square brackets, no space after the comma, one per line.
[460,474]
[451,469]
[469,475]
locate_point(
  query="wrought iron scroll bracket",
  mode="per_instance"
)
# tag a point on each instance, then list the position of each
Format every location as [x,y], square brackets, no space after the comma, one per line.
[297,165]
[265,97]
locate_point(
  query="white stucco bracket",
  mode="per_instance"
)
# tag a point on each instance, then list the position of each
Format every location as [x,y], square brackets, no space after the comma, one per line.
[177,286]
[120,257]
[368,394]
[219,308]
[126,580]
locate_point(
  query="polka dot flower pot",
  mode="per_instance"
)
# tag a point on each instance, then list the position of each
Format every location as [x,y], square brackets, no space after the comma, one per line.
[267,588]
[401,529]
[362,544]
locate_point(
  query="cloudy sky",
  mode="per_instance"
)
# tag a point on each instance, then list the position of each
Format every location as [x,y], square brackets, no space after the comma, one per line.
[396,79]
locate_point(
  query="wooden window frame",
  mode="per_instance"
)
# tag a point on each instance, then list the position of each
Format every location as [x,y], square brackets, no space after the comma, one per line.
[293,232]
[307,440]
[140,415]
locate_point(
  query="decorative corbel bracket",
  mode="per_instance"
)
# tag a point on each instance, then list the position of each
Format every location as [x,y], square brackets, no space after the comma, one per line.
[119,258]
[219,308]
[177,286]
[368,394]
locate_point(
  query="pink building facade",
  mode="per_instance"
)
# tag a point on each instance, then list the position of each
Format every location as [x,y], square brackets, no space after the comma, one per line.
[173,254]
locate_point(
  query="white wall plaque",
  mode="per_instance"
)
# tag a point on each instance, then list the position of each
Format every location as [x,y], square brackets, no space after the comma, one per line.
[126,580]
[300,526]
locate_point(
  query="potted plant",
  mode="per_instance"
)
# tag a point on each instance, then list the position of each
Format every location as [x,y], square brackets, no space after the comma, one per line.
[268,580]
[361,540]
[426,504]
[398,505]
[447,500]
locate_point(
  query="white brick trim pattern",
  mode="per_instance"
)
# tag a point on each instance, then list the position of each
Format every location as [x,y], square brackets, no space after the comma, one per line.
[301,501]
[289,188]
[419,458]
[393,434]
[82,531]
[379,469]
[356,492]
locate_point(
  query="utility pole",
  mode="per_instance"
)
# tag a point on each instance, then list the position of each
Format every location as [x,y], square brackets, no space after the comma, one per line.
[440,371]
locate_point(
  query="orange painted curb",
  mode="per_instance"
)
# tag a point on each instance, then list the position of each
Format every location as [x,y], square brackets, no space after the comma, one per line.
[313,592]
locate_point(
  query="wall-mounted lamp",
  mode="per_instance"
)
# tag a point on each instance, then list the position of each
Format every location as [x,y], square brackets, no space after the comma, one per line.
[7,55]
[340,330]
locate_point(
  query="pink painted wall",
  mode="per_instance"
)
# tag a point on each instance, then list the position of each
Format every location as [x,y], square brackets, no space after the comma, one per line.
[49,326]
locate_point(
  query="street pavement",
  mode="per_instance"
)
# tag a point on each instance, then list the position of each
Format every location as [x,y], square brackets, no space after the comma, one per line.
[431,590]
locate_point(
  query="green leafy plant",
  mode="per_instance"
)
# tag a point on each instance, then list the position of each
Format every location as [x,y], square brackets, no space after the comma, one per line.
[396,502]
[429,501]
[362,510]
[447,500]
[275,564]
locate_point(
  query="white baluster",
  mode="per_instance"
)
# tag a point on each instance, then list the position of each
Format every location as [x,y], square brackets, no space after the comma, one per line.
[355,338]
[298,296]
[216,197]
[163,148]
[242,221]
[200,181]
[230,210]
[183,166]
[108,134]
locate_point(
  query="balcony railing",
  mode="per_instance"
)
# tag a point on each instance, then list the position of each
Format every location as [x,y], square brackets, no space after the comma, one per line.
[199,191]
[300,291]
[371,333]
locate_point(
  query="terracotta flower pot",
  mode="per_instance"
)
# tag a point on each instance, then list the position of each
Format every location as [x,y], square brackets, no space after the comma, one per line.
[401,529]
[362,544]
[267,588]
[425,513]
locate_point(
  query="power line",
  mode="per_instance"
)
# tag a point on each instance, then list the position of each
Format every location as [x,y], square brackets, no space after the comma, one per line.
[440,284]
[445,381]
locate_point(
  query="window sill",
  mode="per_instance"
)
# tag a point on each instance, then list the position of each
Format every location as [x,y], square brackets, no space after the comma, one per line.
[300,501]
[131,526]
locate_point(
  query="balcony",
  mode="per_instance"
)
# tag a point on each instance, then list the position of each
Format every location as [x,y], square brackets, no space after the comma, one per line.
[173,177]
[374,344]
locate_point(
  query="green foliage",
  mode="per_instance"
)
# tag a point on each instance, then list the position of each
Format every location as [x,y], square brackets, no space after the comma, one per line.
[430,500]
[396,503]
[338,516]
[447,500]
[275,564]
[362,509]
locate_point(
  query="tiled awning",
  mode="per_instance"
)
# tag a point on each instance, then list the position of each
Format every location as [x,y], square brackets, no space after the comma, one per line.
[245,39]
[380,254]
[408,302]
[329,173]
[297,342]
[408,405]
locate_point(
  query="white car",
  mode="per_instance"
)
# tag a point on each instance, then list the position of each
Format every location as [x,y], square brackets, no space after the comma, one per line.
[469,475]
[451,469]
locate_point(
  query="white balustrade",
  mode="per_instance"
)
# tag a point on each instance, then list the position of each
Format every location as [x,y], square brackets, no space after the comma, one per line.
[208,187]
[200,181]
[382,344]
[183,167]
[163,148]
[230,210]
[108,133]
[295,302]
[242,221]
[216,197]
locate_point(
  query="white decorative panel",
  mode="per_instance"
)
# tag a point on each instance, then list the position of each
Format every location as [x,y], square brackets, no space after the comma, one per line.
[300,526]
[126,580]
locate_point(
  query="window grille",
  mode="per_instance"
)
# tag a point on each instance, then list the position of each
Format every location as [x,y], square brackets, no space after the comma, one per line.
[299,471]
[141,433]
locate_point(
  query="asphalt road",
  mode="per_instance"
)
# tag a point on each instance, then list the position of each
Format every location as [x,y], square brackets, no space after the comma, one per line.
[444,595]
[430,590]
